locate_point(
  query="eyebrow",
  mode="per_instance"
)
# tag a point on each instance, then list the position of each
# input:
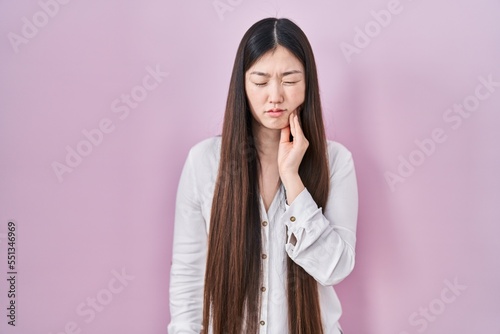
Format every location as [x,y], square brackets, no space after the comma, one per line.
[268,75]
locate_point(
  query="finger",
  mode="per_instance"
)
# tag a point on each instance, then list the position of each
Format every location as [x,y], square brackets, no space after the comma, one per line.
[297,127]
[299,137]
[285,135]
[292,124]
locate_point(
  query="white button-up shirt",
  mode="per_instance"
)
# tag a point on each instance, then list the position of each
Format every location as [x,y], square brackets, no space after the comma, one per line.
[324,242]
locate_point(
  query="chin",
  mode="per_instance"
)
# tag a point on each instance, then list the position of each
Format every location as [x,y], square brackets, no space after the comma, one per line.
[276,126]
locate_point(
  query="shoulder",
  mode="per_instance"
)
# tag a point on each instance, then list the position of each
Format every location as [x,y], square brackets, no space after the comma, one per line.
[339,156]
[208,146]
[204,156]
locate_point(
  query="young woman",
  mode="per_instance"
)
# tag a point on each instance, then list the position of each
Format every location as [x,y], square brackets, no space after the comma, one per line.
[266,213]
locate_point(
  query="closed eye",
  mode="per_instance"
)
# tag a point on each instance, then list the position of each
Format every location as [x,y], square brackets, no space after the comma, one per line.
[288,83]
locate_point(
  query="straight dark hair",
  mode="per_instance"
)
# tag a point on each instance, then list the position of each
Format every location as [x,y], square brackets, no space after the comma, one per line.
[232,277]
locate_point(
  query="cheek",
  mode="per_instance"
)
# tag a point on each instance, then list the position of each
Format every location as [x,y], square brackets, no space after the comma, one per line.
[255,96]
[297,95]
[253,101]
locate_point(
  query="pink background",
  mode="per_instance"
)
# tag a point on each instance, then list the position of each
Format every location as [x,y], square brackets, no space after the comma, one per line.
[114,211]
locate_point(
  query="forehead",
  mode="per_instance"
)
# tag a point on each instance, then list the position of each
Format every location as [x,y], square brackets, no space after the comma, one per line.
[277,60]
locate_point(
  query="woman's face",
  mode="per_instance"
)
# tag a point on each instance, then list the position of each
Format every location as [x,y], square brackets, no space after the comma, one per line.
[275,87]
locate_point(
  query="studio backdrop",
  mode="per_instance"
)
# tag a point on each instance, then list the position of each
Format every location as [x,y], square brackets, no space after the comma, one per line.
[100,102]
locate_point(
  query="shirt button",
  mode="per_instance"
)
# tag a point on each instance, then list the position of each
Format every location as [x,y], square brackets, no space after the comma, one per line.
[264,256]
[264,223]
[262,322]
[292,218]
[263,289]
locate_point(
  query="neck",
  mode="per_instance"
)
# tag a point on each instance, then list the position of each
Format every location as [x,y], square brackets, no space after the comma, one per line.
[267,142]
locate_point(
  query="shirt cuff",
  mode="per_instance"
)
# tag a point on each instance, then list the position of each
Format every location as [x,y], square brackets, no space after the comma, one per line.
[301,220]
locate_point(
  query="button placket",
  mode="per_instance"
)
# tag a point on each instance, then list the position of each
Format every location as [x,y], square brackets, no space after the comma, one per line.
[265,273]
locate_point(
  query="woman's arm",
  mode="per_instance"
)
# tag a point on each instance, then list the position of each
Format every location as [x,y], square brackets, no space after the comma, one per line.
[324,244]
[189,256]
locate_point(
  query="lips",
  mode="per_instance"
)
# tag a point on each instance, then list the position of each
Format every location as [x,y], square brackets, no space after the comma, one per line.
[275,112]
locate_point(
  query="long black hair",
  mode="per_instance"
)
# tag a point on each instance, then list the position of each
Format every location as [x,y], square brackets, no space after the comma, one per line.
[232,278]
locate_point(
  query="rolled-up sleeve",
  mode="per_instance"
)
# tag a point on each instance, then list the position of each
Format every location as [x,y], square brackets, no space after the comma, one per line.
[189,256]
[323,243]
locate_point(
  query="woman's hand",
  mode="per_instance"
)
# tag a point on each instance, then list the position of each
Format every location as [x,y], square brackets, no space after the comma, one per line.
[290,154]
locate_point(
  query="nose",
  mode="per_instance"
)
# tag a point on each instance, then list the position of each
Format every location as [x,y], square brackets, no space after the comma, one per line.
[276,93]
